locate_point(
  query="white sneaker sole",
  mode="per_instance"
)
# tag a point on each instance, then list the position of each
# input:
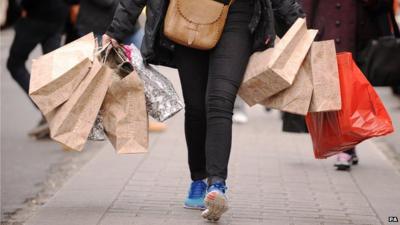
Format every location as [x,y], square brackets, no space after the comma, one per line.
[40,131]
[216,204]
[193,207]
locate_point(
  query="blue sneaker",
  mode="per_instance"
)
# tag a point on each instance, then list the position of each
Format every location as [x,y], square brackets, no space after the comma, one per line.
[216,202]
[197,192]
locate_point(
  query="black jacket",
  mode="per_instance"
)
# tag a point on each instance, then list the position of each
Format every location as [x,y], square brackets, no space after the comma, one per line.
[95,15]
[157,49]
[53,11]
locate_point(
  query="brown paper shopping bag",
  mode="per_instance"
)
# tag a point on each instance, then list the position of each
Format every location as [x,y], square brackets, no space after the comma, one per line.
[325,77]
[57,74]
[295,99]
[70,124]
[124,115]
[273,70]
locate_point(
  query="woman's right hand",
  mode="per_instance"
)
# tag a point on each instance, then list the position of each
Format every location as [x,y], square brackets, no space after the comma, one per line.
[107,39]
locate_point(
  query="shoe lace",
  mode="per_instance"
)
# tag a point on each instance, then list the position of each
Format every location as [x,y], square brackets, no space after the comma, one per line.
[197,189]
[219,186]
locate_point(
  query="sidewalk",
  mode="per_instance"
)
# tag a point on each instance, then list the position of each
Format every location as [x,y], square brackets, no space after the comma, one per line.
[273,179]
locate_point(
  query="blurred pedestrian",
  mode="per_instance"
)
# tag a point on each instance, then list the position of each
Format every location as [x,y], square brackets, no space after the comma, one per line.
[12,12]
[353,25]
[71,32]
[95,16]
[397,11]
[3,12]
[41,23]
[210,81]
[396,89]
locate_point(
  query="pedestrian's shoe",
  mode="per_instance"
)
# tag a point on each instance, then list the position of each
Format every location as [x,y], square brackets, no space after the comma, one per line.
[197,192]
[355,159]
[216,202]
[344,161]
[239,117]
[41,131]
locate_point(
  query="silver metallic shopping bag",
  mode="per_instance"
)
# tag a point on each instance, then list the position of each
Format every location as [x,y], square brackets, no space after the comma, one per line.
[161,98]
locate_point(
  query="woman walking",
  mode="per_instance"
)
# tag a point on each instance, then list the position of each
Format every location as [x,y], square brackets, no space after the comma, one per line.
[210,80]
[353,25]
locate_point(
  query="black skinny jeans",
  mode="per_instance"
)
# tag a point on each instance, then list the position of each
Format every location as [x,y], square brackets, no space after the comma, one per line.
[28,34]
[210,81]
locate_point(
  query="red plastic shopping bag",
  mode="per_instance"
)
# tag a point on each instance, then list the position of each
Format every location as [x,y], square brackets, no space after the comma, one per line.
[362,115]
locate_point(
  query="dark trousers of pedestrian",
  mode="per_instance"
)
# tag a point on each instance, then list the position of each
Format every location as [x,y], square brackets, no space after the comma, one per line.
[28,34]
[210,81]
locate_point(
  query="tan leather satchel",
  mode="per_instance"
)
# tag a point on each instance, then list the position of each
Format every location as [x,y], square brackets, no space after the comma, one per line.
[196,23]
